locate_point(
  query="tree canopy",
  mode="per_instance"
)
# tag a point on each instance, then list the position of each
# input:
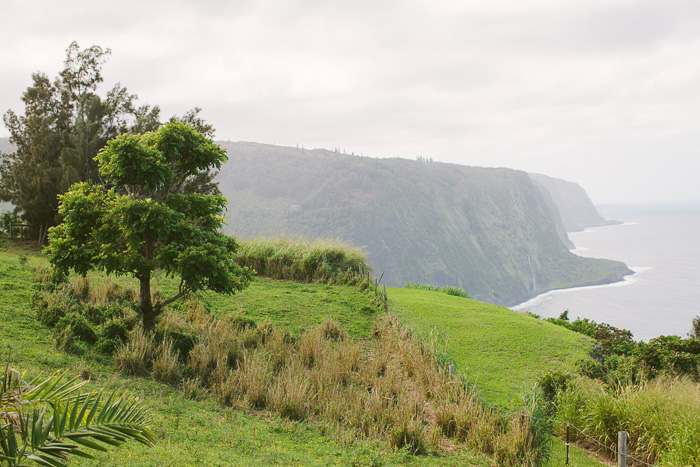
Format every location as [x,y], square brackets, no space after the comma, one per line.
[142,220]
[64,125]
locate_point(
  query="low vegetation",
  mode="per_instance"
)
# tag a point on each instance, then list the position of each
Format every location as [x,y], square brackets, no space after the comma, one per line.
[649,389]
[501,352]
[662,417]
[389,387]
[449,290]
[200,431]
[319,261]
[619,359]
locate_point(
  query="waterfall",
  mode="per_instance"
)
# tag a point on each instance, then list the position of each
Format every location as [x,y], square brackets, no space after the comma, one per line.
[534,279]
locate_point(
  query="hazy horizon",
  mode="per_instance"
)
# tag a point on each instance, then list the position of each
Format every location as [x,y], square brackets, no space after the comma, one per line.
[603,93]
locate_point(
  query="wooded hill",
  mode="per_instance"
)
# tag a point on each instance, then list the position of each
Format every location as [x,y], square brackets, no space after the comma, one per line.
[489,231]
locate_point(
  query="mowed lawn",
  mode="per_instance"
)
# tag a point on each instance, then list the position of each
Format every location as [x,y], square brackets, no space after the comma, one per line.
[500,351]
[203,432]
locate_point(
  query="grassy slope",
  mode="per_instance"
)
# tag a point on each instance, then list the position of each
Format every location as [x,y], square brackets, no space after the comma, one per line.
[203,433]
[298,306]
[501,351]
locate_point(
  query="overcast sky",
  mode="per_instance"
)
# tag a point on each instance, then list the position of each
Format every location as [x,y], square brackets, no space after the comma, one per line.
[605,93]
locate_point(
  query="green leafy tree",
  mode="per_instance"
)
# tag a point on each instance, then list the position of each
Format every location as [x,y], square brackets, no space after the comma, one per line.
[65,123]
[47,420]
[142,221]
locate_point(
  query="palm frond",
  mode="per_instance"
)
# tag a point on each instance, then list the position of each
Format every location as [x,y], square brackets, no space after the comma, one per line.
[46,420]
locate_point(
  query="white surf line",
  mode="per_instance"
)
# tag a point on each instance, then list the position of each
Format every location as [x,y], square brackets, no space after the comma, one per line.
[627,280]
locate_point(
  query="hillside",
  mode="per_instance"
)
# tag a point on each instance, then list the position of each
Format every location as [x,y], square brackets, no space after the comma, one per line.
[492,232]
[500,351]
[202,432]
[489,231]
[575,207]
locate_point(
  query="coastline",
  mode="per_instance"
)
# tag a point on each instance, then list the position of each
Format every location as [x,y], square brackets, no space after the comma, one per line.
[617,279]
[625,280]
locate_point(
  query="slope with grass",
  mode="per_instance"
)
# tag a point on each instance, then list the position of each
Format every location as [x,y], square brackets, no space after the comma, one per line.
[202,432]
[502,352]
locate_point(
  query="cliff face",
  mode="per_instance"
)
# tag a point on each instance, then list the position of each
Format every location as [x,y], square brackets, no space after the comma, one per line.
[489,231]
[575,207]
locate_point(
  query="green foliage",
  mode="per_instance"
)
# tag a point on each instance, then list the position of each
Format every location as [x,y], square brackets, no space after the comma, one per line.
[47,420]
[695,331]
[624,360]
[84,317]
[318,261]
[670,354]
[65,123]
[449,290]
[144,223]
[7,218]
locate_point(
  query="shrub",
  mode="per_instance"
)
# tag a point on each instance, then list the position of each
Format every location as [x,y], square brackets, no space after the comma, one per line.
[290,396]
[253,377]
[410,434]
[193,389]
[318,261]
[81,328]
[331,330]
[79,313]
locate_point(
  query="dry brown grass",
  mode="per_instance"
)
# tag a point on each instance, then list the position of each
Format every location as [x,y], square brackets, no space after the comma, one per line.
[166,367]
[389,387]
[136,356]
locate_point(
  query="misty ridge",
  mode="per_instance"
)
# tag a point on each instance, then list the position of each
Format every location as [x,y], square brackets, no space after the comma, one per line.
[494,232]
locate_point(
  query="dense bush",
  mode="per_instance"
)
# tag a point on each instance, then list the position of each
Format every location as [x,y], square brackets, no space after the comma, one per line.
[318,261]
[83,316]
[622,360]
[449,290]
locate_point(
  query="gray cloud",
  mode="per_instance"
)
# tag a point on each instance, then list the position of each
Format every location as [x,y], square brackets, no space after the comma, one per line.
[602,92]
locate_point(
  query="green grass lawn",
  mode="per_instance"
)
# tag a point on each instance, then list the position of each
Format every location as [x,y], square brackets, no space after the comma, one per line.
[298,306]
[205,433]
[500,351]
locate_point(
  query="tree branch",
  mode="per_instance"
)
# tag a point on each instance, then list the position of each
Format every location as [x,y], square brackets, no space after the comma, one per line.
[172,299]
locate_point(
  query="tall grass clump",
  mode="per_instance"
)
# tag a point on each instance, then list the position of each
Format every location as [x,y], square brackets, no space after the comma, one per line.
[389,387]
[448,289]
[661,416]
[328,261]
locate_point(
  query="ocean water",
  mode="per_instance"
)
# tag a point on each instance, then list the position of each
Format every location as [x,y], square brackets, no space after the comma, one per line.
[662,246]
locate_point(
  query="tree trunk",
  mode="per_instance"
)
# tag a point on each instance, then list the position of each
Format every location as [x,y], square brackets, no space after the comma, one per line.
[43,230]
[148,314]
